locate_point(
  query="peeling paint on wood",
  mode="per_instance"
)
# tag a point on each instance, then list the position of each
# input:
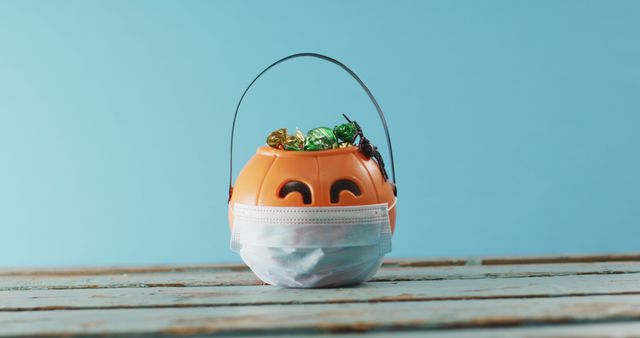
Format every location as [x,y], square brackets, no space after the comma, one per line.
[323,318]
[190,278]
[585,330]
[406,262]
[383,292]
[596,295]
[628,257]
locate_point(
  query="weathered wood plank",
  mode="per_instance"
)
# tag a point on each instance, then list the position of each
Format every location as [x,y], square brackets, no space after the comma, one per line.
[223,276]
[516,260]
[116,270]
[319,318]
[402,273]
[560,286]
[599,330]
[403,262]
[133,280]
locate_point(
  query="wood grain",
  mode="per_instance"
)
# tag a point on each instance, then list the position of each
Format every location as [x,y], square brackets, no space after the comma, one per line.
[515,260]
[323,318]
[404,262]
[585,330]
[549,296]
[225,277]
[437,290]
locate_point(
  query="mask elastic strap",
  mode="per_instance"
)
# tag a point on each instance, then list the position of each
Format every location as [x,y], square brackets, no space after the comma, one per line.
[353,75]
[393,205]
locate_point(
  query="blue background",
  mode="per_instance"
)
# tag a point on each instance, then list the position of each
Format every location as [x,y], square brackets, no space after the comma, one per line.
[515,123]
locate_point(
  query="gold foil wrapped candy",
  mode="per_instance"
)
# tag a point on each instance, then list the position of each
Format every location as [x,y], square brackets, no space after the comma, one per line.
[277,138]
[294,142]
[321,138]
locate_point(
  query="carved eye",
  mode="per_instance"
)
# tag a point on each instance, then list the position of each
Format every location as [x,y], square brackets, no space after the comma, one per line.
[296,186]
[343,184]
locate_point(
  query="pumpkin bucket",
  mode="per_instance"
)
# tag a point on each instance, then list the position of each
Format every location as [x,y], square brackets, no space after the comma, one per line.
[313,218]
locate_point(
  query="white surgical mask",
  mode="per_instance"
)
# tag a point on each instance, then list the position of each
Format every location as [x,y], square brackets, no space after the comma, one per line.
[310,247]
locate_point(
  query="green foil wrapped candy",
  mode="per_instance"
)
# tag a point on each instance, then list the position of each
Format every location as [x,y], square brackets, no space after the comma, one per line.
[321,138]
[277,138]
[346,132]
[294,142]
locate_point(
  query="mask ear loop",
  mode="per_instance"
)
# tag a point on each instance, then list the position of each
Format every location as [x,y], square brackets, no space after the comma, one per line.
[353,75]
[393,205]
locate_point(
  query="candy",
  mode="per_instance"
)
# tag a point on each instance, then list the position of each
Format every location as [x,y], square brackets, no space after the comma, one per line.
[321,138]
[294,142]
[346,132]
[277,138]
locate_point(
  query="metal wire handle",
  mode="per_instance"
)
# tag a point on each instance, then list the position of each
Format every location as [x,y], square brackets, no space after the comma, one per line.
[336,62]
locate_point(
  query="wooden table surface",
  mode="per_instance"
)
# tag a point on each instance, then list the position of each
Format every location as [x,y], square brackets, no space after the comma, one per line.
[593,296]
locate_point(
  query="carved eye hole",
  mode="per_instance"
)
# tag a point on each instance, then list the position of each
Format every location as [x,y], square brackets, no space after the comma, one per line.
[343,184]
[296,186]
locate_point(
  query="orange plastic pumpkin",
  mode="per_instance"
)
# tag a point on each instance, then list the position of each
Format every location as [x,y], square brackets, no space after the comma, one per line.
[337,177]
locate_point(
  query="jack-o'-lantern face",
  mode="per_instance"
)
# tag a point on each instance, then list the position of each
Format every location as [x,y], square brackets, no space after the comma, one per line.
[337,177]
